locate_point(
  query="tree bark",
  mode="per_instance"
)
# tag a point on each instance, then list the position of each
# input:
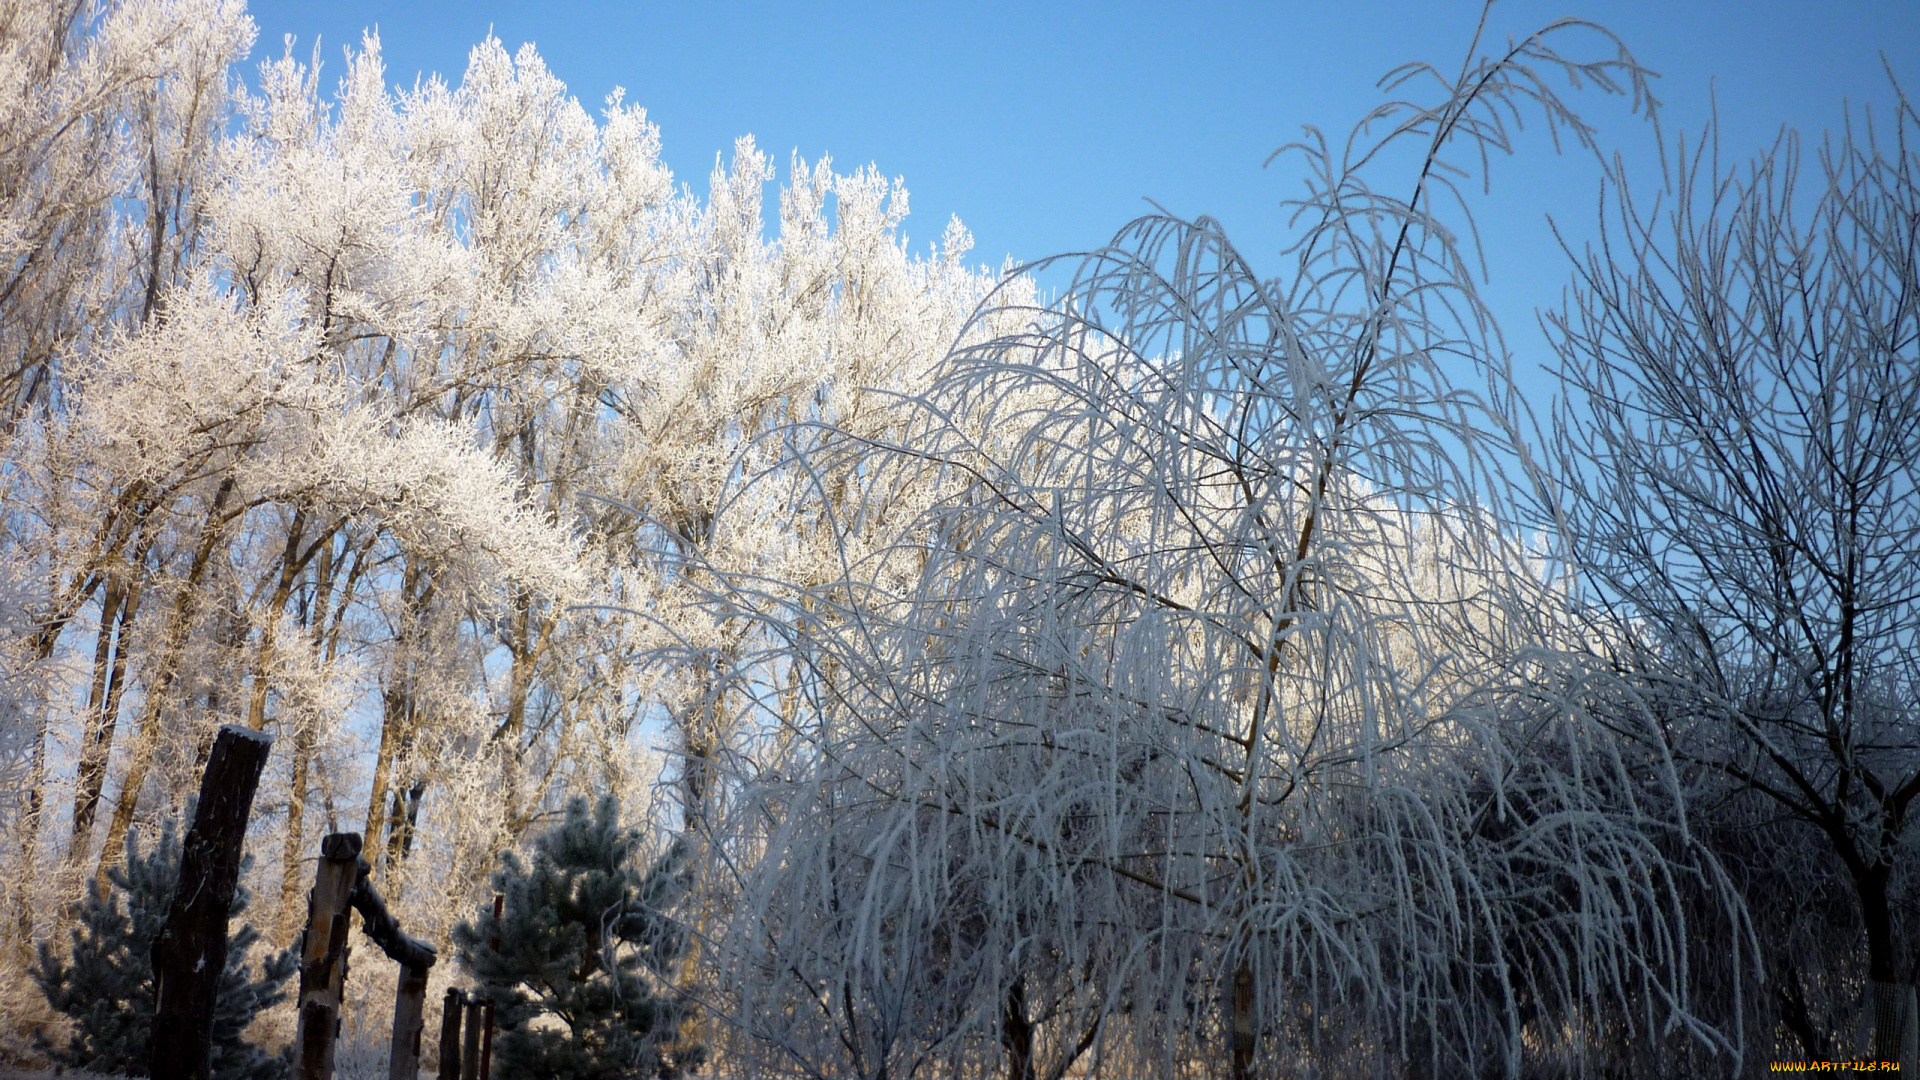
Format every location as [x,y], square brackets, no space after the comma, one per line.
[291,566]
[1244,1032]
[191,953]
[117,610]
[401,824]
[122,526]
[519,685]
[1876,915]
[1889,1003]
[28,873]
[399,708]
[179,626]
[294,842]
[1891,1007]
[96,741]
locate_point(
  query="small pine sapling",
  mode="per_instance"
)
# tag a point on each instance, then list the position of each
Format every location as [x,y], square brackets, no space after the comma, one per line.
[579,974]
[105,985]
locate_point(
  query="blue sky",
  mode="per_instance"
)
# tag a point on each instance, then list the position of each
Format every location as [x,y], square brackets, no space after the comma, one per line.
[1045,126]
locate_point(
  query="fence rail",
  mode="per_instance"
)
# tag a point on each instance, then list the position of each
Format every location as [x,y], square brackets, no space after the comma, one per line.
[342,884]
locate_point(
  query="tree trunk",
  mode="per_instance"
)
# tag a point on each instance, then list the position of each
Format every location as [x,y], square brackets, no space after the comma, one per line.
[117,610]
[1876,915]
[96,741]
[80,589]
[190,954]
[122,526]
[294,842]
[114,534]
[399,706]
[1016,1033]
[324,640]
[1243,1020]
[1890,1005]
[513,727]
[27,866]
[401,823]
[292,564]
[1891,1013]
[179,627]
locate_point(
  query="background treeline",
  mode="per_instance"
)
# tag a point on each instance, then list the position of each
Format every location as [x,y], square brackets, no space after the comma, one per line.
[1198,674]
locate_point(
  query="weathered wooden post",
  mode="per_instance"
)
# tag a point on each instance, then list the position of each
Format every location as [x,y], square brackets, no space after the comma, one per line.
[323,956]
[409,1016]
[190,954]
[455,1004]
[486,1040]
[470,1052]
[414,957]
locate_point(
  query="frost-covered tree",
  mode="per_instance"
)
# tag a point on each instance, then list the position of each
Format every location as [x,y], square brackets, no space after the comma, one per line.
[99,99]
[1734,470]
[576,964]
[1207,721]
[306,440]
[104,983]
[110,115]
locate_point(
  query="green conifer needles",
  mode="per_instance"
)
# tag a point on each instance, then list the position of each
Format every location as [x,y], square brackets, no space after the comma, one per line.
[105,985]
[576,967]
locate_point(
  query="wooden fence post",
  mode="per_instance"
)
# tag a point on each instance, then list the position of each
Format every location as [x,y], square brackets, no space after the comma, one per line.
[470,1051]
[190,954]
[323,956]
[450,1010]
[486,1040]
[409,1016]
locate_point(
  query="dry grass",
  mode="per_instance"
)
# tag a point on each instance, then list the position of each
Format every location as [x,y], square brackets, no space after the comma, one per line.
[351,1063]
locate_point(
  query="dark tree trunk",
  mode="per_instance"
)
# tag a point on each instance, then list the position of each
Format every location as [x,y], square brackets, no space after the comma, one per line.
[1797,1018]
[191,953]
[1890,1005]
[288,915]
[117,610]
[1243,1033]
[402,821]
[1016,1033]
[1876,916]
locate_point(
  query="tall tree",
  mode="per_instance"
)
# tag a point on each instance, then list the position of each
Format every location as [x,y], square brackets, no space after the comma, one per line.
[308,442]
[1199,717]
[111,114]
[1735,470]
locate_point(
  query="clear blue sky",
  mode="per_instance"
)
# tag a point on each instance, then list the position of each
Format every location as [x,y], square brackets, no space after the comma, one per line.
[1044,126]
